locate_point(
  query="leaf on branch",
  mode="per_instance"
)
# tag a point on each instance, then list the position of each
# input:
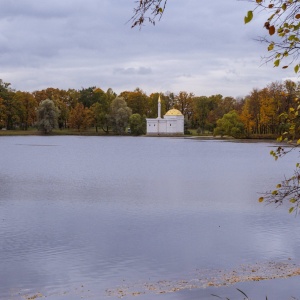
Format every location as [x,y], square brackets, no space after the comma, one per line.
[258,1]
[284,67]
[297,16]
[272,30]
[276,62]
[291,210]
[249,17]
[271,47]
[261,199]
[283,6]
[293,200]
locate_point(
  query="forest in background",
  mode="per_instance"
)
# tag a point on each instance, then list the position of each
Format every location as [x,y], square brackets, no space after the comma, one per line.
[262,113]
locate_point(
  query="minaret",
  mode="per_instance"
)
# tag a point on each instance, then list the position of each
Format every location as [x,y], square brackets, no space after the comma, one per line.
[159,108]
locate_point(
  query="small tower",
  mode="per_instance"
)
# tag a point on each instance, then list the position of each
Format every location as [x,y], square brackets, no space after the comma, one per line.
[159,108]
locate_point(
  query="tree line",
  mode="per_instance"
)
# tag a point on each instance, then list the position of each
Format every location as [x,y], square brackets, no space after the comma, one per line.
[262,112]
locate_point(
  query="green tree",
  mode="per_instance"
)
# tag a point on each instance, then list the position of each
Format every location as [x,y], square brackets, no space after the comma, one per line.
[100,117]
[119,115]
[47,116]
[137,124]
[91,95]
[230,125]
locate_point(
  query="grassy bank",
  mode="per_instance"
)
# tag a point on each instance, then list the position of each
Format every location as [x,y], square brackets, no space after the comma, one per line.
[88,132]
[92,132]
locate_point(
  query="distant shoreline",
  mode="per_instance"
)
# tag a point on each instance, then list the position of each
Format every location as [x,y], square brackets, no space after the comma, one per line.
[92,132]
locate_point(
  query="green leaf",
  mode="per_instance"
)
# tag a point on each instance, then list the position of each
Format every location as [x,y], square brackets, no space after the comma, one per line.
[291,209]
[276,62]
[292,37]
[249,17]
[271,47]
[283,6]
[296,69]
[293,200]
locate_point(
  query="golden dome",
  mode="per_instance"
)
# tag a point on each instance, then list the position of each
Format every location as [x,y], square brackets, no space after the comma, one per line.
[173,112]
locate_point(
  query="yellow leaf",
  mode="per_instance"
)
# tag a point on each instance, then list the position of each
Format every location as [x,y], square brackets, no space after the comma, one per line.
[271,47]
[261,199]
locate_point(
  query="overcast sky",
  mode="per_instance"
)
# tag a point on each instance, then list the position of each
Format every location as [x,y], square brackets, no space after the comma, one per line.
[199,46]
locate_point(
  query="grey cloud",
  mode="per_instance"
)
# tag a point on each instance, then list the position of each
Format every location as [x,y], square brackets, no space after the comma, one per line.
[133,71]
[205,49]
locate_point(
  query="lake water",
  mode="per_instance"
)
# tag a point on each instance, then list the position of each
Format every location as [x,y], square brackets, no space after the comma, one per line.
[105,217]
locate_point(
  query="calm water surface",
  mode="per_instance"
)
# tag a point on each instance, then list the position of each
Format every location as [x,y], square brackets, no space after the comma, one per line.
[80,215]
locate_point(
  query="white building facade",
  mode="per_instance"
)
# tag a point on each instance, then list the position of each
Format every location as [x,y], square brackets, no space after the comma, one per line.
[171,124]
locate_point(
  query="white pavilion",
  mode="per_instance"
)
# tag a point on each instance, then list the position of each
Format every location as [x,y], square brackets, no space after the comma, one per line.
[171,124]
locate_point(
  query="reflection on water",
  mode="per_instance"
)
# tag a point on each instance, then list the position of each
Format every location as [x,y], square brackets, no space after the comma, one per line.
[98,211]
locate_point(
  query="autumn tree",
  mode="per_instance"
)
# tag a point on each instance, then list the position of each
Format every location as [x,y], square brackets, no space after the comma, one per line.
[152,105]
[201,110]
[9,104]
[136,100]
[2,113]
[80,117]
[47,116]
[169,100]
[26,109]
[184,102]
[282,24]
